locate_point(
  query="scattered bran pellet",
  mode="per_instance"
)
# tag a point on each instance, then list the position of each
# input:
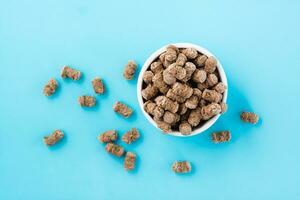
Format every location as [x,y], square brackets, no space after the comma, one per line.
[129,70]
[68,72]
[51,87]
[129,161]
[114,149]
[122,109]
[131,136]
[98,85]
[108,136]
[182,167]
[221,136]
[52,139]
[87,101]
[249,117]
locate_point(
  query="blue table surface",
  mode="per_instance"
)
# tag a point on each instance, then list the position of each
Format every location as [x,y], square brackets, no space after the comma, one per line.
[256,41]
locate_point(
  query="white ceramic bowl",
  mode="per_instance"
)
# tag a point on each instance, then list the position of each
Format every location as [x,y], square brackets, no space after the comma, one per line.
[146,66]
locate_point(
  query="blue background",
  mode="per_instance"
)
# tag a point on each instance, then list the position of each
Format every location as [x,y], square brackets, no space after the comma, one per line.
[256,41]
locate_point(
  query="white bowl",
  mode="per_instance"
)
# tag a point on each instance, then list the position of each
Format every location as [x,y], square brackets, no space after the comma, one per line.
[146,66]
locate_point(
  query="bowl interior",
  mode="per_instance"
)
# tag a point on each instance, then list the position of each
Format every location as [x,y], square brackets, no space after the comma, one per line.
[202,127]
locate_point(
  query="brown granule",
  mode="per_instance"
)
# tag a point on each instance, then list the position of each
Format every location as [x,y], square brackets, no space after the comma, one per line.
[222,136]
[182,109]
[68,72]
[157,67]
[182,167]
[149,107]
[190,69]
[170,118]
[185,128]
[190,53]
[192,102]
[108,136]
[129,70]
[52,139]
[224,107]
[168,78]
[87,101]
[199,76]
[158,112]
[212,80]
[181,59]
[149,92]
[220,87]
[131,136]
[159,83]
[197,93]
[148,76]
[249,117]
[122,109]
[171,95]
[210,65]
[114,149]
[164,61]
[182,90]
[200,60]
[210,110]
[51,87]
[172,73]
[195,117]
[154,110]
[165,127]
[171,53]
[179,72]
[167,104]
[129,161]
[211,96]
[98,85]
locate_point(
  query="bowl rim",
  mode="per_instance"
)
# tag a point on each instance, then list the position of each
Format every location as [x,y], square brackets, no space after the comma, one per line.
[147,64]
